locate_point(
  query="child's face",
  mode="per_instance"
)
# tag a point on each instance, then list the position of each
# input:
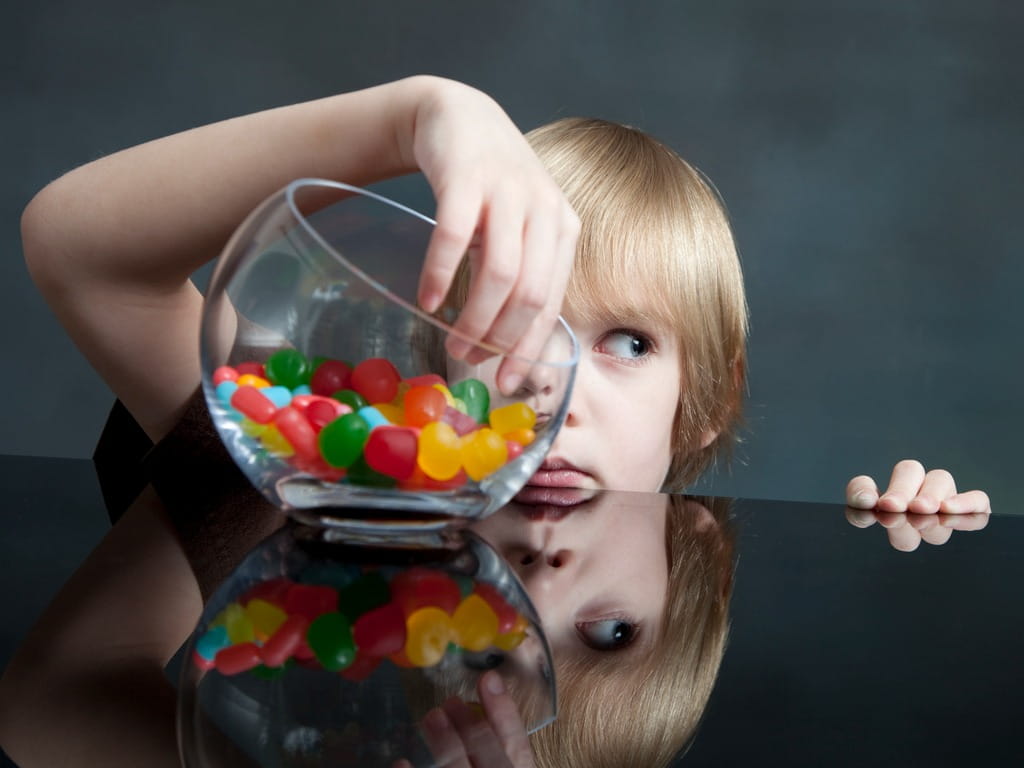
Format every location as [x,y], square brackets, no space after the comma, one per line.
[597,572]
[618,433]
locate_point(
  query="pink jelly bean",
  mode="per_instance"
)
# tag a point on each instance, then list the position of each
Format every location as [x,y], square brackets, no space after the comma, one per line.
[224,373]
[237,658]
[254,404]
[296,430]
[462,423]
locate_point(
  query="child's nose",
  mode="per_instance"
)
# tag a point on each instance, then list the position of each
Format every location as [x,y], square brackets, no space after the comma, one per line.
[533,558]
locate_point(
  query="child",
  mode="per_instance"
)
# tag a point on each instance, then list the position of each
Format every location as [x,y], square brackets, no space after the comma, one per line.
[656,299]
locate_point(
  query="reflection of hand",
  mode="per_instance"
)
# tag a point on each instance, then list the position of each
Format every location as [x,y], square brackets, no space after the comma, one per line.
[493,194]
[916,506]
[460,737]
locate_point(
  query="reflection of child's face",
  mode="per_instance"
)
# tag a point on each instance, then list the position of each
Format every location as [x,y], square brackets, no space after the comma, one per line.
[597,572]
[618,433]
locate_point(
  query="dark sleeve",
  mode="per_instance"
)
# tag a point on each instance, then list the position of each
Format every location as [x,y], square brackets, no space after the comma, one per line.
[217,514]
[118,460]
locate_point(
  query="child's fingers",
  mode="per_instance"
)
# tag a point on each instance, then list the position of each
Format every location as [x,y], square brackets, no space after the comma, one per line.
[479,741]
[904,537]
[503,715]
[936,535]
[443,740]
[938,484]
[907,477]
[968,503]
[861,493]
[458,212]
[860,518]
[971,521]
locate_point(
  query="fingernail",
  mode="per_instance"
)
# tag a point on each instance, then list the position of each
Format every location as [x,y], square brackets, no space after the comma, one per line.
[494,683]
[865,499]
[511,382]
[430,302]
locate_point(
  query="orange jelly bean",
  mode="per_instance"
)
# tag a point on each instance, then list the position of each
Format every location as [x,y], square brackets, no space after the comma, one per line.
[423,405]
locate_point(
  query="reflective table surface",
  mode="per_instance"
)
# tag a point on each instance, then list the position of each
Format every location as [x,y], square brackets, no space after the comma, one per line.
[840,650]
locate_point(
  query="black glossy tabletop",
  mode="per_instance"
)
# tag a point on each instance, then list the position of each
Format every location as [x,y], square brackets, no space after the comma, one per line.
[841,651]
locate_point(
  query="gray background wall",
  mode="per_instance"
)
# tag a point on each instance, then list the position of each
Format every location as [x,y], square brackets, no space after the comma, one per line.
[870,153]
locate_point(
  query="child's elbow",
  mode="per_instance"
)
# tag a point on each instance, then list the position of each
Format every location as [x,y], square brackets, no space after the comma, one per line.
[42,238]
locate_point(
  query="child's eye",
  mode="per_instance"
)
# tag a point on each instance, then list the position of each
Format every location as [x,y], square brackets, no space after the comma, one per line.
[607,634]
[628,345]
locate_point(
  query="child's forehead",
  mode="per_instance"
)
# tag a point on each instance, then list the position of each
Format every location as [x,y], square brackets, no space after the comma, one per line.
[618,307]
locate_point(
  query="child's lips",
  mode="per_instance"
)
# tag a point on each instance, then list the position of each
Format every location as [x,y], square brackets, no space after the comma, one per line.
[540,502]
[558,473]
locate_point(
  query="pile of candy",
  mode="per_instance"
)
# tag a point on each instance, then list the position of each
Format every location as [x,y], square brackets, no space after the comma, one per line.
[367,425]
[352,625]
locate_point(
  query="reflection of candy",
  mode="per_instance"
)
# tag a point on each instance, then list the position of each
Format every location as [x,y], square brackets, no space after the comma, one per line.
[475,624]
[419,587]
[285,641]
[429,630]
[330,639]
[381,631]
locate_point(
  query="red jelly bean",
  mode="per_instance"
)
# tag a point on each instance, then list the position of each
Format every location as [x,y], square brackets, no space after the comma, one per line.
[361,668]
[507,615]
[380,632]
[283,644]
[458,481]
[422,587]
[376,380]
[253,369]
[310,600]
[392,451]
[423,405]
[274,592]
[329,377]
[515,450]
[296,430]
[237,658]
[252,403]
[322,412]
[224,373]
[199,661]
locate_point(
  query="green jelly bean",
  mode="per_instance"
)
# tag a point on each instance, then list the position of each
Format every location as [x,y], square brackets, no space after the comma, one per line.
[341,442]
[475,395]
[330,639]
[351,398]
[267,673]
[367,592]
[361,473]
[466,584]
[288,368]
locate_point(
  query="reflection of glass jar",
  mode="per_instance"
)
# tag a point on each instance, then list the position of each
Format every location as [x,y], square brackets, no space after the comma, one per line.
[320,652]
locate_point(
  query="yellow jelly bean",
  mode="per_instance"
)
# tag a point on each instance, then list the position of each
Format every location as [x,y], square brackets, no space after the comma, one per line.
[509,641]
[475,624]
[448,397]
[522,436]
[483,452]
[252,380]
[511,417]
[428,632]
[266,617]
[239,626]
[439,454]
[252,428]
[276,443]
[392,413]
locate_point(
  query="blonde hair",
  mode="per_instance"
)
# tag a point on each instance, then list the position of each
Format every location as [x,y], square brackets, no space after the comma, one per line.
[646,713]
[655,240]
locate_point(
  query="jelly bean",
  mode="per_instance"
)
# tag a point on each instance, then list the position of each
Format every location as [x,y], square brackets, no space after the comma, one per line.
[361,473]
[250,380]
[476,396]
[376,379]
[265,617]
[310,600]
[285,641]
[423,405]
[392,451]
[483,452]
[298,432]
[288,368]
[426,380]
[511,417]
[392,413]
[266,673]
[302,389]
[224,373]
[380,632]
[448,398]
[320,413]
[199,661]
[428,632]
[341,442]
[237,658]
[329,377]
[272,591]
[225,390]
[252,369]
[460,406]
[211,641]
[367,592]
[401,660]
[475,624]
[400,392]
[506,614]
[251,428]
[318,468]
[362,667]
[515,450]
[418,588]
[456,481]
[466,586]
[509,641]
[251,402]
[276,443]
[239,626]
[462,423]
[230,611]
[439,455]
[522,436]
[351,398]
[279,396]
[373,417]
[330,639]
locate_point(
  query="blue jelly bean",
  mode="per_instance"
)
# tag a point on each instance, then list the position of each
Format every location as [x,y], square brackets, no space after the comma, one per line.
[302,389]
[279,396]
[225,390]
[212,641]
[373,417]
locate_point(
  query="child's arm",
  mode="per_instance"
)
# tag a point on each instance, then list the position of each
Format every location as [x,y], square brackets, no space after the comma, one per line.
[112,244]
[917,505]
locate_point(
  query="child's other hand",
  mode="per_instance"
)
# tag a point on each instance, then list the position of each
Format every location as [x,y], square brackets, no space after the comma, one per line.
[460,737]
[497,201]
[917,505]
